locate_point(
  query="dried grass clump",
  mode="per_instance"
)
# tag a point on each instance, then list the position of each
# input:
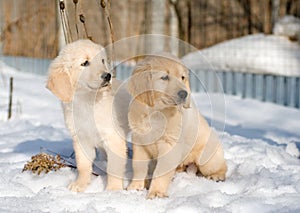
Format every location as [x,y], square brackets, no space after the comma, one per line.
[43,163]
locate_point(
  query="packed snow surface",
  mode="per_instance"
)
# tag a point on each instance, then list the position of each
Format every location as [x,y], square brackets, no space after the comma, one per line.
[259,53]
[261,144]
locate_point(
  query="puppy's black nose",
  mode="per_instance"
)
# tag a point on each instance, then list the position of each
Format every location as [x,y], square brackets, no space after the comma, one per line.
[182,94]
[106,76]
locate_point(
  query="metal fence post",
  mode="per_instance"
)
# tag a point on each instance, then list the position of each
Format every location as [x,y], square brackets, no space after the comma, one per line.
[297,92]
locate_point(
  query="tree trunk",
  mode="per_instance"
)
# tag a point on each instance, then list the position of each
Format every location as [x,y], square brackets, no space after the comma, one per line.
[275,11]
[249,16]
[157,24]
[30,28]
[267,17]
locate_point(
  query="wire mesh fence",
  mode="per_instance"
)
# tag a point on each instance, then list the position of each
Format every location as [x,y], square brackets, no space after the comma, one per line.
[26,64]
[282,90]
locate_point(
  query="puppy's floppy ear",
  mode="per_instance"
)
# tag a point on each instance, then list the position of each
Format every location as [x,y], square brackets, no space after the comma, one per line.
[140,84]
[59,81]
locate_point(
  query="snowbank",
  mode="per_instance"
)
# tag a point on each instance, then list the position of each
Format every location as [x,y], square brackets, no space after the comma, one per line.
[254,53]
[260,143]
[288,26]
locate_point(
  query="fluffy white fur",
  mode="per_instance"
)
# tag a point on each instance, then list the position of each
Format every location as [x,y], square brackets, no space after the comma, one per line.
[95,110]
[167,128]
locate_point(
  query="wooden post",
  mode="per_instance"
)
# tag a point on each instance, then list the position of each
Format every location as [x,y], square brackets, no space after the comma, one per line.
[11,87]
[267,7]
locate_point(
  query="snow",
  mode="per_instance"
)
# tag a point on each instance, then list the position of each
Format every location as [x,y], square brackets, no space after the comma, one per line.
[259,53]
[261,143]
[293,150]
[288,26]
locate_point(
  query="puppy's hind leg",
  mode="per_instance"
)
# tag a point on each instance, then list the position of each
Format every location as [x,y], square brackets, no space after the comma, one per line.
[216,168]
[211,162]
[84,162]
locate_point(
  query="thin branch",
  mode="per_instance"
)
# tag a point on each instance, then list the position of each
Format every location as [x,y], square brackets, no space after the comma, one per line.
[82,20]
[76,25]
[65,22]
[106,7]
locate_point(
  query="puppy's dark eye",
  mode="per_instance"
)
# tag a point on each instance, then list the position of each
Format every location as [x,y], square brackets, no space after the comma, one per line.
[103,62]
[165,78]
[85,64]
[183,78]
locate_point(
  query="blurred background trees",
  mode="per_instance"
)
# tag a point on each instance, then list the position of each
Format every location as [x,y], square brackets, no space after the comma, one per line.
[28,28]
[32,28]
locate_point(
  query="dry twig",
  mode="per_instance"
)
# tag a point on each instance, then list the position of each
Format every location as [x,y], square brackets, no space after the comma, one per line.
[76,26]
[106,7]
[65,22]
[82,20]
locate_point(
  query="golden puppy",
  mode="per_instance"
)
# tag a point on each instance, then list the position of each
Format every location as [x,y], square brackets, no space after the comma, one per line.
[167,127]
[93,114]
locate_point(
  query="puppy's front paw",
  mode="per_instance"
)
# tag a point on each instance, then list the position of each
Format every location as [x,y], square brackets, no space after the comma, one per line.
[114,187]
[216,177]
[77,186]
[156,190]
[219,175]
[156,193]
[136,185]
[114,183]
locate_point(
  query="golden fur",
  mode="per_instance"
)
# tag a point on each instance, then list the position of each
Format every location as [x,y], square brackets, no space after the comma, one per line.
[93,113]
[167,127]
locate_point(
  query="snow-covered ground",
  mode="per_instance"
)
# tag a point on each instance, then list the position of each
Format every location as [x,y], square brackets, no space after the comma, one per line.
[260,142]
[257,53]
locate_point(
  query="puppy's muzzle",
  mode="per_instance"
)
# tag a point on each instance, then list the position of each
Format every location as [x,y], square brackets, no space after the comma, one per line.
[105,79]
[182,94]
[182,98]
[106,76]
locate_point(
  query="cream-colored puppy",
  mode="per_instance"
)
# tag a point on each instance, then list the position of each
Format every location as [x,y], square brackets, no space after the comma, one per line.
[95,116]
[167,127]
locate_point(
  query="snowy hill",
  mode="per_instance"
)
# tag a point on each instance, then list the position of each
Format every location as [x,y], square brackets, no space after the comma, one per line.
[260,143]
[288,26]
[258,53]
